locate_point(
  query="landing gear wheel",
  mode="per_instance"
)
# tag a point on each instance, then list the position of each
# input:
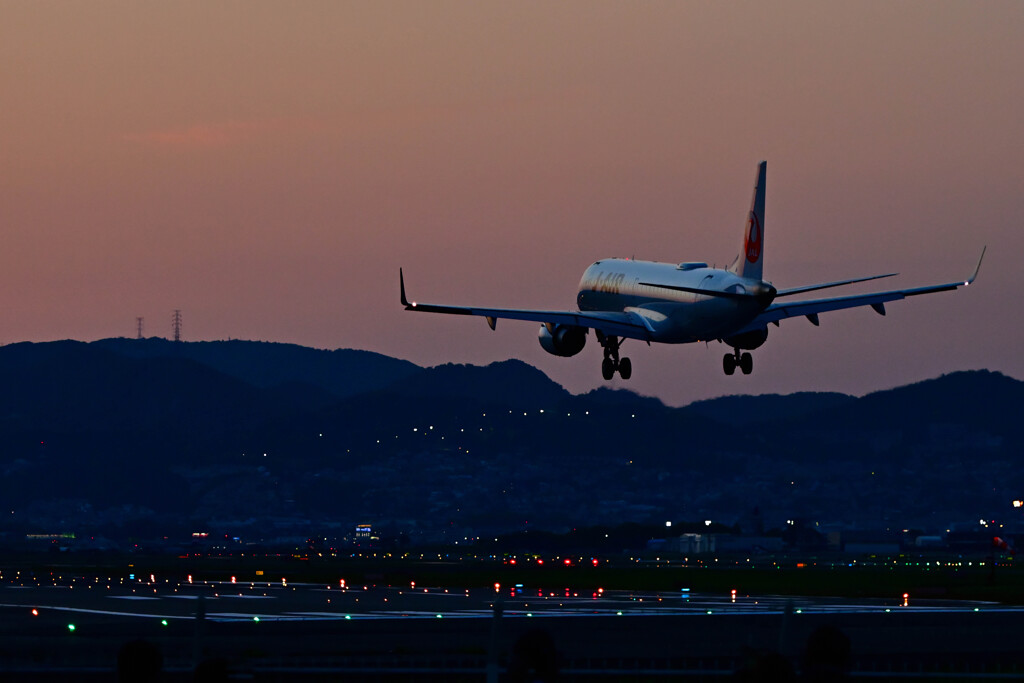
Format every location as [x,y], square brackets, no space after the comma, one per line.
[611,363]
[746,363]
[607,368]
[729,363]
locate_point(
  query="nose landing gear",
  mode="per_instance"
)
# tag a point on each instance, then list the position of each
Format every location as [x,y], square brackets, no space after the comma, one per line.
[743,361]
[612,363]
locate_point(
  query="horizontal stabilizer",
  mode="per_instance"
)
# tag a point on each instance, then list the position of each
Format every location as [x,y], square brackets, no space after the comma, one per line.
[703,292]
[768,292]
[826,285]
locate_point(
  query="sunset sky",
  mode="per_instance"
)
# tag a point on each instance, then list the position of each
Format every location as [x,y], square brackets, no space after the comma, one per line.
[267,167]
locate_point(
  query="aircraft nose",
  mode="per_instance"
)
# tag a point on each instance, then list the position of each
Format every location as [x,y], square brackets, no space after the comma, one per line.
[766,294]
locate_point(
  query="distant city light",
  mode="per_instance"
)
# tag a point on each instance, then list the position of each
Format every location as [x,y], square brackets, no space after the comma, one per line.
[1018,503]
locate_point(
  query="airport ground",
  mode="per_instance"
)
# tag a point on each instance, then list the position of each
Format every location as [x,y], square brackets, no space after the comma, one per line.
[295,621]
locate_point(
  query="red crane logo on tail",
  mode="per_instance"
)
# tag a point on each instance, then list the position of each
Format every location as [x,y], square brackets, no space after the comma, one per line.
[753,243]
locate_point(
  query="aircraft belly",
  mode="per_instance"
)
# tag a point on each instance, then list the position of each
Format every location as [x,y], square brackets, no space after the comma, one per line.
[673,323]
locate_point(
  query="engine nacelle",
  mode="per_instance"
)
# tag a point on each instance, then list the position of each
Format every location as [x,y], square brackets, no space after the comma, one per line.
[748,340]
[563,340]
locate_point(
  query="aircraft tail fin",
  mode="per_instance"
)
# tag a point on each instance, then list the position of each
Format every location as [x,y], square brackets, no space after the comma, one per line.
[751,258]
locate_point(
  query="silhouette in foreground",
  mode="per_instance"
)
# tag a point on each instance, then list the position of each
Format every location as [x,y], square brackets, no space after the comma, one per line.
[139,661]
[827,655]
[767,667]
[534,658]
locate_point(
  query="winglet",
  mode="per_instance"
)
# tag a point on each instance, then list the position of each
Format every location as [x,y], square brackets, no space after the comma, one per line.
[978,267]
[401,285]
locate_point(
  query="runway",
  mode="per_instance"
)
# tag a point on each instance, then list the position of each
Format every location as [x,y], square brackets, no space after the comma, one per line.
[152,598]
[280,630]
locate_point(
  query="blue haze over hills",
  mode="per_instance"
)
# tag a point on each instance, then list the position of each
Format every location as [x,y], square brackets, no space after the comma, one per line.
[137,437]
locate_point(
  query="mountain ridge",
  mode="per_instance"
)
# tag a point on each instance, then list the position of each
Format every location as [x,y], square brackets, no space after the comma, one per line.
[174,431]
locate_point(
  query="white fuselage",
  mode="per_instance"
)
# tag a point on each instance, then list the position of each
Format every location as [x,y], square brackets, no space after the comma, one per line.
[644,288]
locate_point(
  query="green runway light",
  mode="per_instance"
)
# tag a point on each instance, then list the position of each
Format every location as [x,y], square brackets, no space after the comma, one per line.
[256,619]
[71,628]
[348,616]
[438,616]
[163,622]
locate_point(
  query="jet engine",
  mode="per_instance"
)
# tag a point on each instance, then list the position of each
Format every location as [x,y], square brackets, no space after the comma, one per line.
[748,340]
[563,340]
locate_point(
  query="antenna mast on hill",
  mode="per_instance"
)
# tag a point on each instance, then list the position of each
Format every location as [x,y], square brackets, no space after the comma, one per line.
[177,325]
[138,328]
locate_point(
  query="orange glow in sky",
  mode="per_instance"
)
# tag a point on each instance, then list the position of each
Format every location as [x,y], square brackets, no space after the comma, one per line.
[266,167]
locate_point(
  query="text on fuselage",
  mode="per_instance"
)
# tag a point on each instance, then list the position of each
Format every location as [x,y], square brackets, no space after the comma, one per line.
[608,282]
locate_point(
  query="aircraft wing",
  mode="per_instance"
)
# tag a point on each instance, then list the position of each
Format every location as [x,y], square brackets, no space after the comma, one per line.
[877,301]
[610,322]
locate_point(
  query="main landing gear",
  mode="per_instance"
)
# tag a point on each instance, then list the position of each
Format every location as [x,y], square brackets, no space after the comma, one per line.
[743,361]
[612,363]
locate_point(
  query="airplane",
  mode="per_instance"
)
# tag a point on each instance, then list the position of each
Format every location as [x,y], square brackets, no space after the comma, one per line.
[683,303]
